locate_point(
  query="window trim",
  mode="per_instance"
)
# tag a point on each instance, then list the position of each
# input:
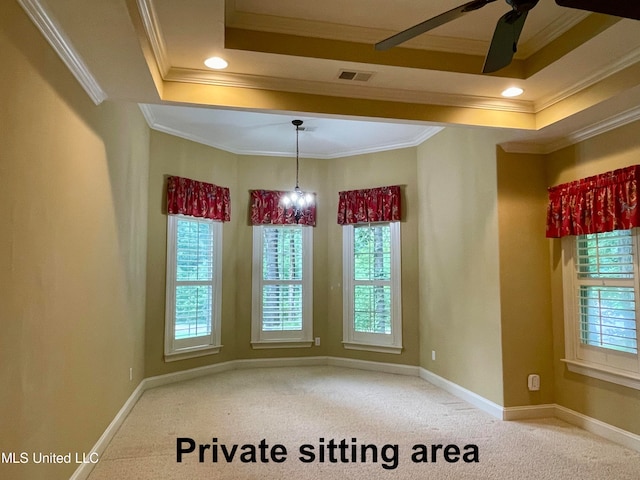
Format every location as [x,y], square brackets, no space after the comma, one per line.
[579,357]
[374,342]
[212,345]
[282,339]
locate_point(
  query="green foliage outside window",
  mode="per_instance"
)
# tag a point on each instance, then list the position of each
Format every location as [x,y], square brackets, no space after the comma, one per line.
[607,312]
[194,263]
[372,275]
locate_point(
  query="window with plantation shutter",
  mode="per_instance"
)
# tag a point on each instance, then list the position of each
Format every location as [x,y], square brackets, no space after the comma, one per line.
[282,288]
[371,283]
[601,302]
[193,299]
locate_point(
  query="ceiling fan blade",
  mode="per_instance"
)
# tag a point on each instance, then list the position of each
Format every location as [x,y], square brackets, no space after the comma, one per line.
[619,8]
[504,41]
[430,24]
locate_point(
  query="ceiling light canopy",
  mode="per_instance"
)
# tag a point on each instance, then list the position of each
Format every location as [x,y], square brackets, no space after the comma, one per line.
[216,63]
[512,92]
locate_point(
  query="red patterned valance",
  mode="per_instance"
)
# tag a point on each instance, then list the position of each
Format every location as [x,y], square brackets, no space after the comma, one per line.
[198,199]
[370,205]
[597,204]
[267,208]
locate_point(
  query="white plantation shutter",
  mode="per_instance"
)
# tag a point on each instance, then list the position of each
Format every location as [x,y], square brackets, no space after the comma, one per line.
[606,290]
[193,298]
[282,286]
[282,278]
[372,315]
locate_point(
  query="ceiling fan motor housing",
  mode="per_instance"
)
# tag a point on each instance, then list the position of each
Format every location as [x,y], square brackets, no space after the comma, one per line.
[522,5]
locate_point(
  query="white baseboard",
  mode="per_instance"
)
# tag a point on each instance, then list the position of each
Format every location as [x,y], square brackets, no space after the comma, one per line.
[614,434]
[83,471]
[602,429]
[395,368]
[529,412]
[467,395]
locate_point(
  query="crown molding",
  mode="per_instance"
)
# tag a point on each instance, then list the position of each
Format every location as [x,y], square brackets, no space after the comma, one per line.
[48,26]
[611,69]
[350,33]
[544,148]
[152,28]
[346,90]
[560,25]
[596,129]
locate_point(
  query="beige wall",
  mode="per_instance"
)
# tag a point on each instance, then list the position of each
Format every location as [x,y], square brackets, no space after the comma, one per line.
[72,254]
[459,278]
[525,300]
[604,401]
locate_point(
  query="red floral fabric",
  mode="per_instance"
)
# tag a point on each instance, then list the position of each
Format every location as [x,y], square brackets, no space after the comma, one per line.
[370,205]
[267,208]
[198,199]
[597,204]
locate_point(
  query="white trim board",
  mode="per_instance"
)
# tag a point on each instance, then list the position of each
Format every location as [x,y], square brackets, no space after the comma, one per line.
[609,432]
[83,471]
[50,29]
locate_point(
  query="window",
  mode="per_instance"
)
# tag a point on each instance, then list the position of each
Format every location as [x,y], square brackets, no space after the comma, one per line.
[194,270]
[371,282]
[282,286]
[601,305]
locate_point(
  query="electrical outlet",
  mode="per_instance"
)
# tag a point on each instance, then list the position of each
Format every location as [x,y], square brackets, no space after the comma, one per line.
[317,341]
[533,382]
[433,355]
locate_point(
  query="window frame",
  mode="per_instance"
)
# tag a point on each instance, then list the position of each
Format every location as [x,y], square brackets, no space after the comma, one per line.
[282,338]
[606,364]
[376,342]
[179,349]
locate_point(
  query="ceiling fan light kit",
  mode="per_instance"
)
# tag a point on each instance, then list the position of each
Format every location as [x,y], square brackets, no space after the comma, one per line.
[504,43]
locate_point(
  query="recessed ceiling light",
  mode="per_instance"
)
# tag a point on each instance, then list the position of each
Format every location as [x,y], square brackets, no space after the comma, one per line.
[216,63]
[512,92]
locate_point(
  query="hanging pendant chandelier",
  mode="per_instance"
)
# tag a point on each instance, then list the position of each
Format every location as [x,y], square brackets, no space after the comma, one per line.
[298,200]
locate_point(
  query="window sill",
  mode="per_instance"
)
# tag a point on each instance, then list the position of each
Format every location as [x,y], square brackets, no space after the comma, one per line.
[372,348]
[259,345]
[620,377]
[192,353]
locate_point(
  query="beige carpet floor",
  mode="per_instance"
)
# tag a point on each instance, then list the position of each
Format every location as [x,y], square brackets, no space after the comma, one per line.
[304,408]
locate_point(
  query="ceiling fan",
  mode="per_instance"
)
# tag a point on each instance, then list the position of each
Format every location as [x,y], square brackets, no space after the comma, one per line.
[505,37]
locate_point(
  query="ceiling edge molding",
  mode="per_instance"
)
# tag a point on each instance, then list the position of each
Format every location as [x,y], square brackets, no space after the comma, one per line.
[552,31]
[154,124]
[578,136]
[52,32]
[596,129]
[524,147]
[617,66]
[350,33]
[344,90]
[152,28]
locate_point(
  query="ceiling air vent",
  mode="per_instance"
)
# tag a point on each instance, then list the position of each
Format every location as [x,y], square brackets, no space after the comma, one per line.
[354,75]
